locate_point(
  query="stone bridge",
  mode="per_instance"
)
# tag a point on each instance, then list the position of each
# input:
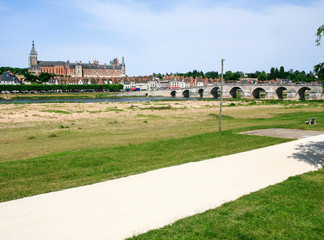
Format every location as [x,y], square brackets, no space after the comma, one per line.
[235,90]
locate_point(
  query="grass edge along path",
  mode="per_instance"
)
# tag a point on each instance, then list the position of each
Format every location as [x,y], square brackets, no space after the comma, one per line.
[292,209]
[54,172]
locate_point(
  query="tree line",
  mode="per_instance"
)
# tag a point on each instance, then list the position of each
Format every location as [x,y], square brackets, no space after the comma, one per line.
[194,74]
[41,78]
[294,76]
[46,87]
[17,71]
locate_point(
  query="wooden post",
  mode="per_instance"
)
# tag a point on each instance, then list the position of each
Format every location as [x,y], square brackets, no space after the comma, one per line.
[221,102]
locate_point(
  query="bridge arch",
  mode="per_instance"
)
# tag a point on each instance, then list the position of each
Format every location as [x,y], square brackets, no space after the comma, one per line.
[214,92]
[302,92]
[281,92]
[234,90]
[257,92]
[201,92]
[173,93]
[186,93]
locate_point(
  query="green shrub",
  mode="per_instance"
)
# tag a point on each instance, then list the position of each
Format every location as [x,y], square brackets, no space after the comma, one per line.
[63,87]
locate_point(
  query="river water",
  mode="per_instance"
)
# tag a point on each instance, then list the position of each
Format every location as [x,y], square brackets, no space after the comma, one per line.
[100,100]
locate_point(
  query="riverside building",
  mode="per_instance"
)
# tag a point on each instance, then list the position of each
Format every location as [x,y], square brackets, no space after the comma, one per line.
[78,69]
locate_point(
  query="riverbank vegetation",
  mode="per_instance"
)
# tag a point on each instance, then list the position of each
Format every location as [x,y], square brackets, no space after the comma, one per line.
[64,95]
[62,87]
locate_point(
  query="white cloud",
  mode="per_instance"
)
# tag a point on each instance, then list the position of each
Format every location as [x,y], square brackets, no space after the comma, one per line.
[189,35]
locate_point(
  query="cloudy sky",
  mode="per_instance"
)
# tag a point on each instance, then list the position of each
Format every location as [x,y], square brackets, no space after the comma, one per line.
[165,36]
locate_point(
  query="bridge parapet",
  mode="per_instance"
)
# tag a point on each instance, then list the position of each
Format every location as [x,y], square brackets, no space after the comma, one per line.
[260,90]
[234,90]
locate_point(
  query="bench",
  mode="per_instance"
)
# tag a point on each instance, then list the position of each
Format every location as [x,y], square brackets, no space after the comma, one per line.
[311,121]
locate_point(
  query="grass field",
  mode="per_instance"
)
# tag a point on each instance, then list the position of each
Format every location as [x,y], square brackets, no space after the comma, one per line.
[47,173]
[289,210]
[48,147]
[80,144]
[31,130]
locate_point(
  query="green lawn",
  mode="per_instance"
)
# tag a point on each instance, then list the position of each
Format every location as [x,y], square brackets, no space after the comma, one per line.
[37,175]
[40,157]
[293,209]
[146,142]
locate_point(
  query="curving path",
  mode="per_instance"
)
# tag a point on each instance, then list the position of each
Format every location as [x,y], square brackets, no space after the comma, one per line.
[123,207]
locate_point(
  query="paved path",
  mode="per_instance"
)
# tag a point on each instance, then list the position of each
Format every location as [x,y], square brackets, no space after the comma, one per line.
[284,133]
[120,208]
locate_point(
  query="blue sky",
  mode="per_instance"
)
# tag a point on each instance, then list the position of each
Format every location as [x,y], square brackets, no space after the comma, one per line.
[165,36]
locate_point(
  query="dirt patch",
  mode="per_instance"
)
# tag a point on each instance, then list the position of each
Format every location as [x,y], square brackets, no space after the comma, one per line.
[284,133]
[57,112]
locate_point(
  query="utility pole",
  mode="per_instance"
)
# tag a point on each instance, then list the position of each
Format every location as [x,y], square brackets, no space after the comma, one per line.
[221,102]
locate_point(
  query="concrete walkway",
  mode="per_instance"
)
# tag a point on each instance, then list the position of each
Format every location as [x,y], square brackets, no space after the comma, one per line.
[284,133]
[121,208]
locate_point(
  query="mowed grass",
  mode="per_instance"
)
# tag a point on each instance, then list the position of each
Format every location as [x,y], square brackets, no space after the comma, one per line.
[48,173]
[39,157]
[292,209]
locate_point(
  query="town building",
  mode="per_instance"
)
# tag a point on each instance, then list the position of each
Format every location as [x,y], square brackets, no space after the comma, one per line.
[9,78]
[78,69]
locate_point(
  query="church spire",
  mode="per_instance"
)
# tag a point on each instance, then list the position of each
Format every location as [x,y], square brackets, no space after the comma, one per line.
[33,50]
[32,58]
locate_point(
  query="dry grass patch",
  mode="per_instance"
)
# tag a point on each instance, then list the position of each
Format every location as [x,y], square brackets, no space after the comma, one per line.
[115,128]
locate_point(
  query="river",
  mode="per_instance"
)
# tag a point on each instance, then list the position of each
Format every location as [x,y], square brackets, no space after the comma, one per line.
[100,100]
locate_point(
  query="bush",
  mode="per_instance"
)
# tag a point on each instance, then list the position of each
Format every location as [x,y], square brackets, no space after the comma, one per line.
[44,87]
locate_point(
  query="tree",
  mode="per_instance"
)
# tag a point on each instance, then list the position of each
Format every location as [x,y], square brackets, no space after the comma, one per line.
[30,78]
[236,76]
[251,75]
[262,76]
[228,75]
[319,68]
[282,72]
[212,74]
[18,71]
[276,73]
[159,75]
[272,74]
[319,71]
[319,34]
[45,77]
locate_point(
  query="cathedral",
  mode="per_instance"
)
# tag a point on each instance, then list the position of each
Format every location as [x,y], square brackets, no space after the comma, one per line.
[77,69]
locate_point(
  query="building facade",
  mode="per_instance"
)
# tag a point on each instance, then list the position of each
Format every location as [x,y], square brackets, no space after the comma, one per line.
[77,69]
[9,78]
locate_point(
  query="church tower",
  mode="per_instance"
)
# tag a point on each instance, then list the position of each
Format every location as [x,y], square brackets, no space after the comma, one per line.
[32,59]
[123,66]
